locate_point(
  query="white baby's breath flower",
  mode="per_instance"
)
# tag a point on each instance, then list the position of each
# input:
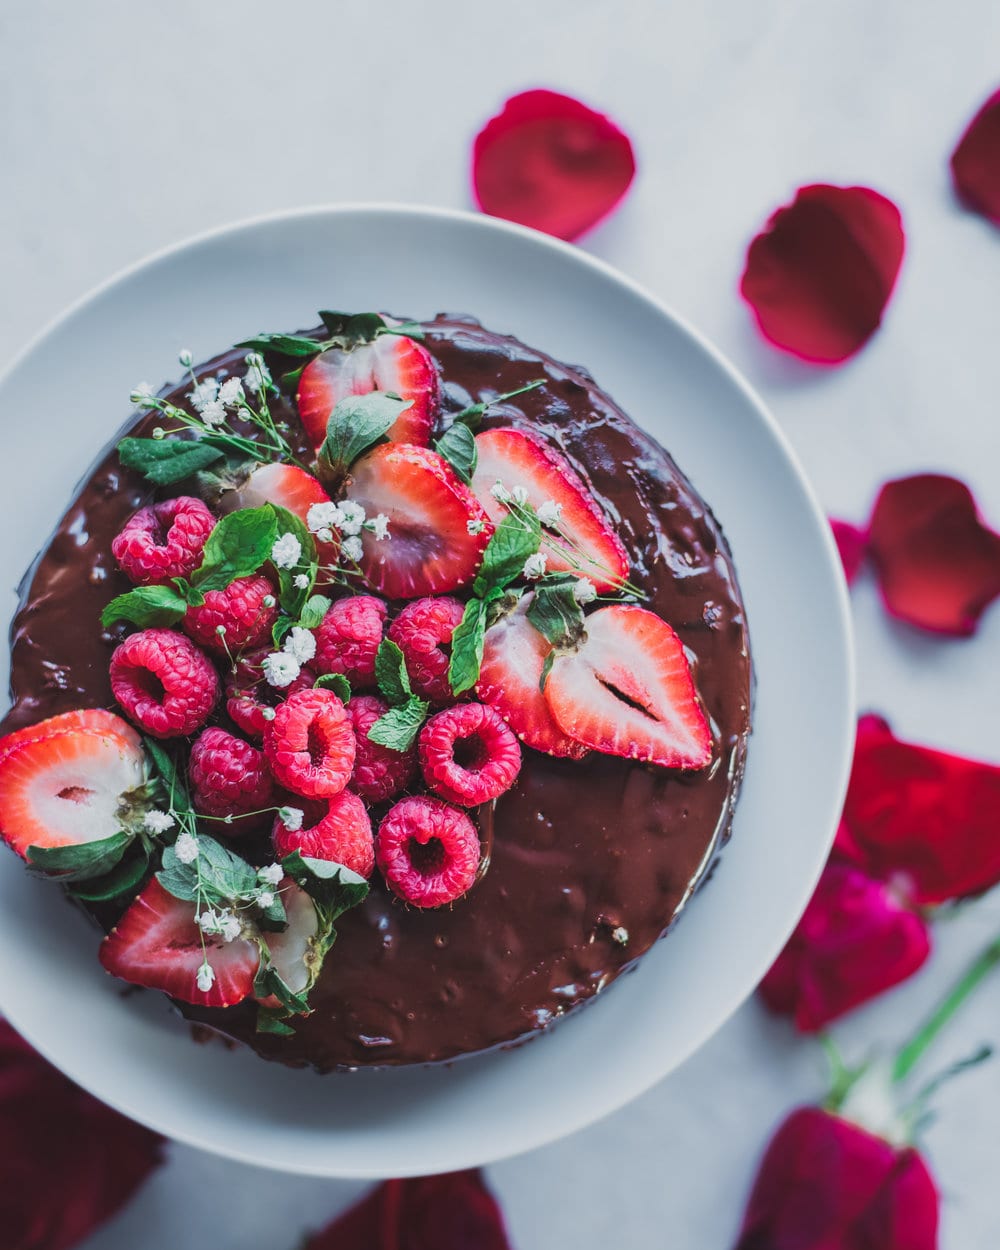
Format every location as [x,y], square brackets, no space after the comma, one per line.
[258,376]
[280,670]
[300,581]
[159,822]
[212,414]
[268,713]
[550,513]
[534,566]
[229,926]
[271,875]
[584,590]
[325,535]
[475,526]
[140,394]
[500,492]
[350,517]
[322,515]
[206,977]
[208,922]
[184,358]
[231,393]
[265,899]
[186,848]
[352,549]
[520,495]
[291,818]
[379,526]
[286,552]
[205,392]
[300,643]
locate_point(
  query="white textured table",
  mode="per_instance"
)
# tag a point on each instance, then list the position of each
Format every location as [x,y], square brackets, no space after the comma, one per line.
[128,127]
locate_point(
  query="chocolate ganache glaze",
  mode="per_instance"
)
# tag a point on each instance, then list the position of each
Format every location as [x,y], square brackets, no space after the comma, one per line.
[588,864]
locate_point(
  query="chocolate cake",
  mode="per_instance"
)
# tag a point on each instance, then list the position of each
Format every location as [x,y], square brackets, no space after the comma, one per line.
[582,863]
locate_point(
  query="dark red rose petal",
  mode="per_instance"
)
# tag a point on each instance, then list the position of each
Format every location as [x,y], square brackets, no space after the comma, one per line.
[825,1184]
[975,163]
[851,544]
[69,1162]
[938,564]
[820,274]
[550,162]
[854,941]
[924,818]
[451,1212]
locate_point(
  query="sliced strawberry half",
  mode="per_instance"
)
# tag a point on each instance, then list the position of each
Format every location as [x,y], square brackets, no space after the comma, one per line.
[516,458]
[628,691]
[392,362]
[95,720]
[514,653]
[289,487]
[157,944]
[297,951]
[67,788]
[429,550]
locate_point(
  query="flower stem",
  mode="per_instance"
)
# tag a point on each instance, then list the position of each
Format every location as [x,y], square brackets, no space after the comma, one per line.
[911,1054]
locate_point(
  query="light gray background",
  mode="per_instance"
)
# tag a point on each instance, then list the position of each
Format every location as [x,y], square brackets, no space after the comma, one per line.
[126,127]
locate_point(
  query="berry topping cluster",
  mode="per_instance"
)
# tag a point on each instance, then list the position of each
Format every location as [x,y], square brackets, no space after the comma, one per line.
[339,639]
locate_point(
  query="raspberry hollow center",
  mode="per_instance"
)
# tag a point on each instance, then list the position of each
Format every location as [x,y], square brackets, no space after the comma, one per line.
[470,753]
[428,858]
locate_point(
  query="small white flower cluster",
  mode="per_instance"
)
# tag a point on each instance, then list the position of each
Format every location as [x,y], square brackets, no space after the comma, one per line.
[286,552]
[258,376]
[534,566]
[271,875]
[186,848]
[291,818]
[223,923]
[349,518]
[141,395]
[475,526]
[518,495]
[206,977]
[550,513]
[282,667]
[157,822]
[584,590]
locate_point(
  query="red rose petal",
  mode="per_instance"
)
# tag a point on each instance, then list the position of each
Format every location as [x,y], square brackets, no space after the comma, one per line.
[69,1162]
[826,1184]
[820,274]
[929,819]
[854,941]
[550,162]
[451,1212]
[851,544]
[975,163]
[938,564]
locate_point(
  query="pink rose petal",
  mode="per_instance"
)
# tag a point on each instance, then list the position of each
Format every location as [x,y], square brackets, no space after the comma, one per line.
[975,163]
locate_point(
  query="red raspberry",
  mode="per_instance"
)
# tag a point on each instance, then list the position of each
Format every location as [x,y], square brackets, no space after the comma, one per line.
[379,772]
[337,829]
[348,637]
[241,609]
[420,631]
[250,700]
[164,683]
[428,851]
[310,744]
[228,777]
[469,754]
[163,541]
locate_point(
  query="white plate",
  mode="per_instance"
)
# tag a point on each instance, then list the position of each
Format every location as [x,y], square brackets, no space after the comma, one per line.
[66,396]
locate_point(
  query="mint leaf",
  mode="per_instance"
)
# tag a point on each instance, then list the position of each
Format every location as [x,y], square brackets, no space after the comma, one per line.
[458,447]
[514,539]
[283,344]
[224,873]
[268,981]
[239,545]
[291,598]
[390,673]
[180,880]
[313,611]
[124,879]
[84,860]
[166,460]
[172,778]
[351,329]
[273,917]
[146,606]
[467,647]
[554,611]
[270,1021]
[357,423]
[398,727]
[336,682]
[335,888]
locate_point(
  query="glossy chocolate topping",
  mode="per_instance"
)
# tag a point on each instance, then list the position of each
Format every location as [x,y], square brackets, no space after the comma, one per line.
[590,862]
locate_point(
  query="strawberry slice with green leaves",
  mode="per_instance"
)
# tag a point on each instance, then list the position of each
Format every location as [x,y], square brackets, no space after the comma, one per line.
[514,655]
[583,541]
[289,487]
[157,944]
[438,530]
[392,362]
[628,690]
[297,951]
[67,787]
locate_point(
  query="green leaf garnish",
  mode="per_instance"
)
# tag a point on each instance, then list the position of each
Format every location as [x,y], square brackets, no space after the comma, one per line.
[398,727]
[357,423]
[458,446]
[238,546]
[217,874]
[171,776]
[284,344]
[146,606]
[333,887]
[167,460]
[336,682]
[390,673]
[82,861]
[123,879]
[473,415]
[555,612]
[467,647]
[518,536]
[271,1021]
[313,611]
[291,597]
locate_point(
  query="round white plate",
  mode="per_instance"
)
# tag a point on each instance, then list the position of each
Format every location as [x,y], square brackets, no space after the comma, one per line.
[67,395]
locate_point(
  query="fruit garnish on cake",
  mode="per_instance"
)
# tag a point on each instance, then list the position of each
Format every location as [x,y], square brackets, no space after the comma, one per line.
[356,609]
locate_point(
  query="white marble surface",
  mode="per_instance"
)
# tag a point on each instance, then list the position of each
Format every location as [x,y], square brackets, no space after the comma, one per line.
[125,128]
